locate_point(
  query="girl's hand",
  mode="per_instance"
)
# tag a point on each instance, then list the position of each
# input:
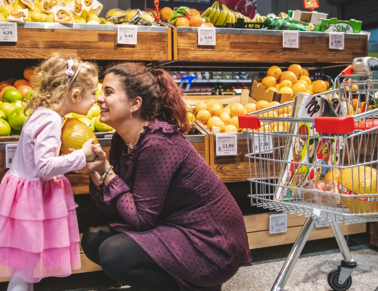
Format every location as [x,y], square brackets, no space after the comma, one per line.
[89,153]
[100,163]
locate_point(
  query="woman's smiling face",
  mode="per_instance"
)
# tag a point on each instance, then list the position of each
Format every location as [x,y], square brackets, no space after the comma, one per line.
[114,103]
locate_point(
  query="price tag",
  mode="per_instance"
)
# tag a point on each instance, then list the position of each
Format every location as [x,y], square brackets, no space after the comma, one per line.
[336,40]
[226,144]
[108,136]
[277,223]
[127,34]
[207,36]
[10,150]
[262,144]
[322,223]
[290,39]
[8,32]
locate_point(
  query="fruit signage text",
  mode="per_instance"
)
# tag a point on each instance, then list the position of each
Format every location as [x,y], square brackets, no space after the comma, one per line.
[290,39]
[206,36]
[8,32]
[336,40]
[226,144]
[127,34]
[277,223]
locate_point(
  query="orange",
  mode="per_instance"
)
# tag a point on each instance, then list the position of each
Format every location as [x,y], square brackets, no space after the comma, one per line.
[286,90]
[305,73]
[74,134]
[208,24]
[237,109]
[182,22]
[303,82]
[226,110]
[327,84]
[299,88]
[319,86]
[4,85]
[235,122]
[5,82]
[283,111]
[307,79]
[225,117]
[21,82]
[230,128]
[29,73]
[200,106]
[228,106]
[262,104]
[24,90]
[211,121]
[250,107]
[274,103]
[288,75]
[285,83]
[220,124]
[196,21]
[194,11]
[211,101]
[166,14]
[268,82]
[215,109]
[275,72]
[203,116]
[296,69]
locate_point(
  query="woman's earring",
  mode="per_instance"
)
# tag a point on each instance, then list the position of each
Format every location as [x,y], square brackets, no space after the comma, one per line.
[131,113]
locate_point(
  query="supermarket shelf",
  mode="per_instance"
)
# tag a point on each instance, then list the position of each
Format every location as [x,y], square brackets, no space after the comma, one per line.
[217,81]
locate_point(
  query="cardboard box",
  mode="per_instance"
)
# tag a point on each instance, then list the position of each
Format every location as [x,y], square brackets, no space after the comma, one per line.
[307,16]
[259,93]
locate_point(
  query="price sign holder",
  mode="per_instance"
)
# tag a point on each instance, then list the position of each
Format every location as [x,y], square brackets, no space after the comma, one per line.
[290,39]
[278,223]
[262,143]
[207,36]
[8,32]
[336,40]
[322,223]
[226,144]
[127,34]
[10,150]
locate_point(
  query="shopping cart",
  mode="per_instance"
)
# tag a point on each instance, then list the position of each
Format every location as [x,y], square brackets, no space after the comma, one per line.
[340,188]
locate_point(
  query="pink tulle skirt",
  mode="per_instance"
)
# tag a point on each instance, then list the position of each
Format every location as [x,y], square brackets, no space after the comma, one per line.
[39,234]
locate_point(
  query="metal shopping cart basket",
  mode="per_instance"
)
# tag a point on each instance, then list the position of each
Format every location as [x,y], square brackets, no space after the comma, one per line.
[331,175]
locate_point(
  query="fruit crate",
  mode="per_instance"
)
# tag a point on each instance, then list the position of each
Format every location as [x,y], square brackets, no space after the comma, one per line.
[256,45]
[97,42]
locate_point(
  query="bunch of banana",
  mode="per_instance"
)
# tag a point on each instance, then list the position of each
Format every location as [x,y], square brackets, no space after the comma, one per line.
[212,12]
[258,18]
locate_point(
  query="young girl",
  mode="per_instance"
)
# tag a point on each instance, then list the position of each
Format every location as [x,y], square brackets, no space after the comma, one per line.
[39,234]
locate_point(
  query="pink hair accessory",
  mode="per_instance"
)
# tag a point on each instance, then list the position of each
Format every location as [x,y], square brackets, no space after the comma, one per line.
[75,75]
[69,71]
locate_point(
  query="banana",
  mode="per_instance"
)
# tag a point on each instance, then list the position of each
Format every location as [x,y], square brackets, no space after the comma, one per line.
[230,18]
[213,10]
[209,10]
[216,15]
[222,17]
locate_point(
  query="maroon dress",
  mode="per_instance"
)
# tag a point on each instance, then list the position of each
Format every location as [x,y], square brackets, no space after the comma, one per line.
[167,198]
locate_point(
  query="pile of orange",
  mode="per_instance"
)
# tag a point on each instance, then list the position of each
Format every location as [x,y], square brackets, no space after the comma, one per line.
[21,85]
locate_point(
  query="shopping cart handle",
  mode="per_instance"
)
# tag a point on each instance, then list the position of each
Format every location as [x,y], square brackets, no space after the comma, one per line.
[348,70]
[249,121]
[339,125]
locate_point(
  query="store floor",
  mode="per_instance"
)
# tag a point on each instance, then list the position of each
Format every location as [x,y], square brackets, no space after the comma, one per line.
[310,272]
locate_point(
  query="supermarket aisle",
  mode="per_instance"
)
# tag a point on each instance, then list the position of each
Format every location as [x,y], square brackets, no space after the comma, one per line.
[310,273]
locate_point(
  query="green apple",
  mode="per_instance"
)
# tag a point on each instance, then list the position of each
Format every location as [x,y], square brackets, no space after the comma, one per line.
[3,115]
[17,118]
[96,111]
[28,95]
[88,122]
[78,116]
[5,129]
[12,95]
[101,126]
[18,104]
[7,108]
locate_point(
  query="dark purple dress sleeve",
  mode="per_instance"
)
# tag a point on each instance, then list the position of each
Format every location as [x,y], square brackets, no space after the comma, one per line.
[156,163]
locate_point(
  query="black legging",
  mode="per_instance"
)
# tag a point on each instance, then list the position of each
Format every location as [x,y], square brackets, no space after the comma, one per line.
[124,260]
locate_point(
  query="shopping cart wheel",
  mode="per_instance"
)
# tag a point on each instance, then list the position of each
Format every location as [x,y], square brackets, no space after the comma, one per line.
[333,281]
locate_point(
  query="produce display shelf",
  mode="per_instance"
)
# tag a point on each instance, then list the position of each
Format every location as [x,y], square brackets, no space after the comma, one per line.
[90,42]
[218,81]
[254,45]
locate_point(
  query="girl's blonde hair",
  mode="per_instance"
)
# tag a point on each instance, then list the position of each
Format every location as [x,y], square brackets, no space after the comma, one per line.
[50,82]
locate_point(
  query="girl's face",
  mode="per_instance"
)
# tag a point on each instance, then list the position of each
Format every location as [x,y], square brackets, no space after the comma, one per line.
[87,99]
[114,103]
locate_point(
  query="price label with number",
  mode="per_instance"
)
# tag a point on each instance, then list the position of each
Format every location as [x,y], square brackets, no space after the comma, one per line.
[336,40]
[127,34]
[226,144]
[8,32]
[290,39]
[278,223]
[10,150]
[322,223]
[262,143]
[207,36]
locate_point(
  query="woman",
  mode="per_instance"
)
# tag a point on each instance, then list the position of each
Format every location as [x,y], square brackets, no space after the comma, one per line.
[171,223]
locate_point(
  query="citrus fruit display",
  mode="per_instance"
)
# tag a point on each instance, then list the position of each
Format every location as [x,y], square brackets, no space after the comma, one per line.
[74,134]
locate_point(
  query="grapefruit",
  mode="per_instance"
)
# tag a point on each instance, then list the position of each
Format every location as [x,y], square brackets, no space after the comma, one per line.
[203,116]
[235,122]
[230,128]
[226,110]
[299,88]
[274,103]
[166,14]
[275,72]
[286,90]
[307,79]
[182,22]
[215,109]
[296,69]
[285,83]
[237,109]
[200,106]
[274,89]
[302,82]
[212,120]
[196,21]
[262,104]
[319,86]
[220,124]
[194,11]
[211,101]
[225,117]
[250,107]
[269,82]
[288,75]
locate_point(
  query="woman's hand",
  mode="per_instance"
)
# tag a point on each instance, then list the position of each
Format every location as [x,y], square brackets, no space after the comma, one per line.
[100,163]
[95,177]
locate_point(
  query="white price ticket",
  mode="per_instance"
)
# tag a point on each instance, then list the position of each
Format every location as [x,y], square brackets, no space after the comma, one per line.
[278,223]
[336,40]
[322,223]
[8,32]
[10,150]
[127,34]
[207,36]
[290,39]
[226,144]
[262,144]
